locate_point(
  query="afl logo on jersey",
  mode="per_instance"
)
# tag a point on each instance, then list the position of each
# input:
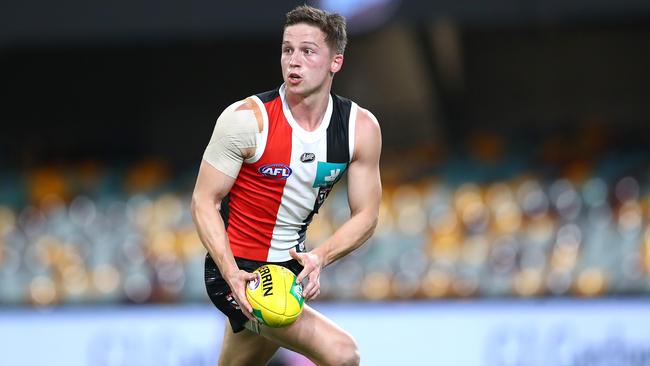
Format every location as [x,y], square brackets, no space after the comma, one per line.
[275,171]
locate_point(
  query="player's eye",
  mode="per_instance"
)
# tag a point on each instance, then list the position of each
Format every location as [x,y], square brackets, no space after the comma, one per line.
[286,50]
[308,51]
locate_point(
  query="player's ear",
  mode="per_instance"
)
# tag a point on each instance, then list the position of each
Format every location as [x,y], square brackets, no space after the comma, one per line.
[337,63]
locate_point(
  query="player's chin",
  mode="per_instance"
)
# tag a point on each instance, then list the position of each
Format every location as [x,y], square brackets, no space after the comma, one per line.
[297,89]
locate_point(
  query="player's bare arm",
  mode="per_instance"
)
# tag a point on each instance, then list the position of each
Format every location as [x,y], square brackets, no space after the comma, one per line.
[231,143]
[364,197]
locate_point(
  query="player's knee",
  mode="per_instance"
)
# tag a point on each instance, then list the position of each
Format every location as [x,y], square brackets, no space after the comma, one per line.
[351,357]
[347,353]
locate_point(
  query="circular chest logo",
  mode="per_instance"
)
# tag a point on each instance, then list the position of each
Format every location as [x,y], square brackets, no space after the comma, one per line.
[275,171]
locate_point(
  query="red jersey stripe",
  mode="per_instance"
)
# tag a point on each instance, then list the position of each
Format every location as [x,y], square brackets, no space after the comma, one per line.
[255,197]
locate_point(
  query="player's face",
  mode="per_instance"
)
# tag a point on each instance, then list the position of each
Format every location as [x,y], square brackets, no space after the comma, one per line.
[307,61]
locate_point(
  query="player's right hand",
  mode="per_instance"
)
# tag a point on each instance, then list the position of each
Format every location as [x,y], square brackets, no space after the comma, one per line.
[237,281]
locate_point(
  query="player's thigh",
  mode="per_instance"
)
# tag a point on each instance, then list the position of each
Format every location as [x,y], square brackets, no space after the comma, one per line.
[318,338]
[245,348]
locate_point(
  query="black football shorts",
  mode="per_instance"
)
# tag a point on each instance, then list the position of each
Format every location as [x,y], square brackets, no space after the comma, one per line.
[219,291]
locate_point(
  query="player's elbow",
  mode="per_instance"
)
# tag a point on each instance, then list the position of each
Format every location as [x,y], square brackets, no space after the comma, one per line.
[372,223]
[366,220]
[194,206]
[197,206]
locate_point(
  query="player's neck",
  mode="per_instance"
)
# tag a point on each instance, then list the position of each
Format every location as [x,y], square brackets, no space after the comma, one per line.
[308,111]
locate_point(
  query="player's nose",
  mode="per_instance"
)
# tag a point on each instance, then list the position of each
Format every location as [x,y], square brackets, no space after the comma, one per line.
[294,60]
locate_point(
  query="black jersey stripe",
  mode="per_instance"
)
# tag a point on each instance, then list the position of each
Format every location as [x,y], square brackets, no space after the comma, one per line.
[268,95]
[338,144]
[338,151]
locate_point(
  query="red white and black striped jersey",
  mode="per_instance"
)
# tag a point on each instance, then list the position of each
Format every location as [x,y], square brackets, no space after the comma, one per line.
[280,188]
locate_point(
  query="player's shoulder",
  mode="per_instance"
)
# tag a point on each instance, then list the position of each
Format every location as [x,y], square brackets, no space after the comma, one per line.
[367,134]
[247,104]
[244,111]
[366,122]
[366,116]
[253,102]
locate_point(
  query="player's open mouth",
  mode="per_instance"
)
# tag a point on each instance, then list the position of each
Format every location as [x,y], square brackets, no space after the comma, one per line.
[294,78]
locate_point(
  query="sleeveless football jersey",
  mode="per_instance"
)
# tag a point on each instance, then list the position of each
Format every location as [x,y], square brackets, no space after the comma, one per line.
[280,188]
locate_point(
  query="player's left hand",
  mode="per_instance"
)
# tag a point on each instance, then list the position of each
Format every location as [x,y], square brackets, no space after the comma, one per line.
[312,266]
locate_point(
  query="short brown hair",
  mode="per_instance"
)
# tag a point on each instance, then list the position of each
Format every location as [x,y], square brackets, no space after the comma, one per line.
[332,24]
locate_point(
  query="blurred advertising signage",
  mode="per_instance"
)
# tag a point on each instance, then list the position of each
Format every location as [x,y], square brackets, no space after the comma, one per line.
[543,333]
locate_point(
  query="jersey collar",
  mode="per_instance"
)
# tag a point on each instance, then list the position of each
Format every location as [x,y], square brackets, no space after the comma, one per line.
[309,136]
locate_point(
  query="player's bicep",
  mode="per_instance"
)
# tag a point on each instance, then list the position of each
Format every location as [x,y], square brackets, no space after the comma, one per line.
[364,180]
[211,185]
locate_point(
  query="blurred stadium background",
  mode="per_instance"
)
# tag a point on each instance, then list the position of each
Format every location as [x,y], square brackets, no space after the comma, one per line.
[514,227]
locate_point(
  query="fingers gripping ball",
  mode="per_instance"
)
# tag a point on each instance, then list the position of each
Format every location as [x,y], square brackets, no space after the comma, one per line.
[275,296]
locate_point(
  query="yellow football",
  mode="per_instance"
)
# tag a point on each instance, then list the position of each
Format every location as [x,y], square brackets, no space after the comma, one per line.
[275,296]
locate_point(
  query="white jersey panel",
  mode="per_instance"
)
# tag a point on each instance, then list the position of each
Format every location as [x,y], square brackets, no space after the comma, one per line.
[352,129]
[299,196]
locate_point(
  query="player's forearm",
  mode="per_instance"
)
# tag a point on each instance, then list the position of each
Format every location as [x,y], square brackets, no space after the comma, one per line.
[212,233]
[351,235]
